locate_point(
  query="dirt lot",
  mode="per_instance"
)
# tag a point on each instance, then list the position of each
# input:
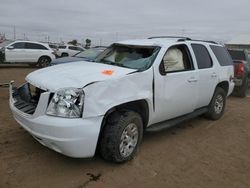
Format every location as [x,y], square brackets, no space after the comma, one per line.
[199,153]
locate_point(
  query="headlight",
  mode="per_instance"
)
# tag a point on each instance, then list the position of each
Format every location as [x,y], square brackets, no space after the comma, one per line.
[67,102]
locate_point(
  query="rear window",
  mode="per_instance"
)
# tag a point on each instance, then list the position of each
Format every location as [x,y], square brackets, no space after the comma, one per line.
[203,58]
[237,55]
[61,47]
[222,55]
[72,48]
[34,46]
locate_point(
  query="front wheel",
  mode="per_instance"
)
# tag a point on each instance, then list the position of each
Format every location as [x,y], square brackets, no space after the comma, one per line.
[217,105]
[121,136]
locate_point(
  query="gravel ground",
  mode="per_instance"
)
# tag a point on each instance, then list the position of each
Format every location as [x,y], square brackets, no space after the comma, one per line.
[198,153]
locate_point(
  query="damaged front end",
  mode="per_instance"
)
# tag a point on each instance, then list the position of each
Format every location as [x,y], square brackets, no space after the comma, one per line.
[26,97]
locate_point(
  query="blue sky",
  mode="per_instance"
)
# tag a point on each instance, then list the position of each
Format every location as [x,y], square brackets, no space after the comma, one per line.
[106,21]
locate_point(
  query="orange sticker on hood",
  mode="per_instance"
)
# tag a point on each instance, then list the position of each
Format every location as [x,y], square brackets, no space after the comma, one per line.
[108,72]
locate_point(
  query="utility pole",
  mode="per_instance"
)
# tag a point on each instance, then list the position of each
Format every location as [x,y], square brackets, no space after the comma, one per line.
[14,32]
[116,36]
[182,32]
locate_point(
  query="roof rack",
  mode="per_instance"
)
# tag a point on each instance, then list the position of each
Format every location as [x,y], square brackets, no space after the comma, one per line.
[209,41]
[182,39]
[172,37]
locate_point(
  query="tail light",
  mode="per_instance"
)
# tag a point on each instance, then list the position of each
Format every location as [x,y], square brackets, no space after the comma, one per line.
[238,68]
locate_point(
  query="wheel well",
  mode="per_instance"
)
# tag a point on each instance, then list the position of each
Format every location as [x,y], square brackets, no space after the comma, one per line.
[139,106]
[224,85]
[65,53]
[43,57]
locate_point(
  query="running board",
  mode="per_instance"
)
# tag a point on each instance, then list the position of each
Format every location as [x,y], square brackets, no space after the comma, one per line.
[172,122]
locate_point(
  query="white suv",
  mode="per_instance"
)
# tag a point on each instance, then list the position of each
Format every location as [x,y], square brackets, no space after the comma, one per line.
[28,52]
[134,86]
[68,50]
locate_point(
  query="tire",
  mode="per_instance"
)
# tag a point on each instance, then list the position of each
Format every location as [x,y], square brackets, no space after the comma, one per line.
[64,55]
[44,61]
[116,144]
[217,105]
[243,90]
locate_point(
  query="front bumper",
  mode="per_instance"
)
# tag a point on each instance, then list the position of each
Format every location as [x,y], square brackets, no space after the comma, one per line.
[72,137]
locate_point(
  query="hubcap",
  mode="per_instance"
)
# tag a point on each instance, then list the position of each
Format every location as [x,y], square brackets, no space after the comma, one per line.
[218,107]
[44,62]
[129,140]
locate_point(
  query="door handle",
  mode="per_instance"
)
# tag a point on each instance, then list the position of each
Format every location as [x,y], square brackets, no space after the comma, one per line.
[192,80]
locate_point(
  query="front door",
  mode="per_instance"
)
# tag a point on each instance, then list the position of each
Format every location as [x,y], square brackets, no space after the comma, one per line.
[176,89]
[15,53]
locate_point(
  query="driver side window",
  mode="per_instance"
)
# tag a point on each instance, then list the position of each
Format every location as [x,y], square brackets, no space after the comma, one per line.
[173,60]
[177,58]
[18,45]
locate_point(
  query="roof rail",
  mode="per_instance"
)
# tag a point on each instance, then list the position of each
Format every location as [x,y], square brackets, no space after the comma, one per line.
[173,37]
[183,39]
[213,42]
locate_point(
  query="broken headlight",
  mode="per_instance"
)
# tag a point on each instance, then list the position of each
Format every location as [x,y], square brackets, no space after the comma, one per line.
[67,102]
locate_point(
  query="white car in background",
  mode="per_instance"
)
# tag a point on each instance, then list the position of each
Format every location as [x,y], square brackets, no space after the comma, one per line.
[68,50]
[27,52]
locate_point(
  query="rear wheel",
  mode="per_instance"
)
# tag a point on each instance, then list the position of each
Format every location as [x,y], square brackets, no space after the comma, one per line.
[217,104]
[121,136]
[243,90]
[44,61]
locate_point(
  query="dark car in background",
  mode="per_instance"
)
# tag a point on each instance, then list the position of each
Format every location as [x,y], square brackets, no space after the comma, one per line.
[241,71]
[87,55]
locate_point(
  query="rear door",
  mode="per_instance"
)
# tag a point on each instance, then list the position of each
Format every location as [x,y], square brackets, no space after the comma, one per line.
[34,51]
[207,72]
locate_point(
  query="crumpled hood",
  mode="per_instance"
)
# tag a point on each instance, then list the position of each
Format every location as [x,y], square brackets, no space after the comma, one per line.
[75,74]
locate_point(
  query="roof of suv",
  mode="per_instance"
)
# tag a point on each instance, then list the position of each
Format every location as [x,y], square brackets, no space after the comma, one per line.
[162,41]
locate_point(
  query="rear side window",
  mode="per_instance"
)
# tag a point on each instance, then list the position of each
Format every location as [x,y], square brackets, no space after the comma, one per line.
[222,55]
[18,45]
[203,58]
[79,49]
[75,48]
[35,46]
[61,47]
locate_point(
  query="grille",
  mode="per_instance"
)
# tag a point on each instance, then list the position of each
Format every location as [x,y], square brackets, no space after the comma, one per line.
[26,98]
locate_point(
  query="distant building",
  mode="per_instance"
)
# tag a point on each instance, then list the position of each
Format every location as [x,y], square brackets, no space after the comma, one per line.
[240,42]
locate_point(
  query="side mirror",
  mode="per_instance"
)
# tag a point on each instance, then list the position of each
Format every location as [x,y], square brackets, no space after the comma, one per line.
[10,47]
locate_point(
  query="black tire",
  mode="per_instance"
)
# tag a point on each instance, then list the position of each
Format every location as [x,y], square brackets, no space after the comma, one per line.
[213,109]
[111,137]
[64,55]
[44,61]
[243,90]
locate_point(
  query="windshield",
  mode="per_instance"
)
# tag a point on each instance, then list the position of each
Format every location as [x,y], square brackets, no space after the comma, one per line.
[5,43]
[89,54]
[130,56]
